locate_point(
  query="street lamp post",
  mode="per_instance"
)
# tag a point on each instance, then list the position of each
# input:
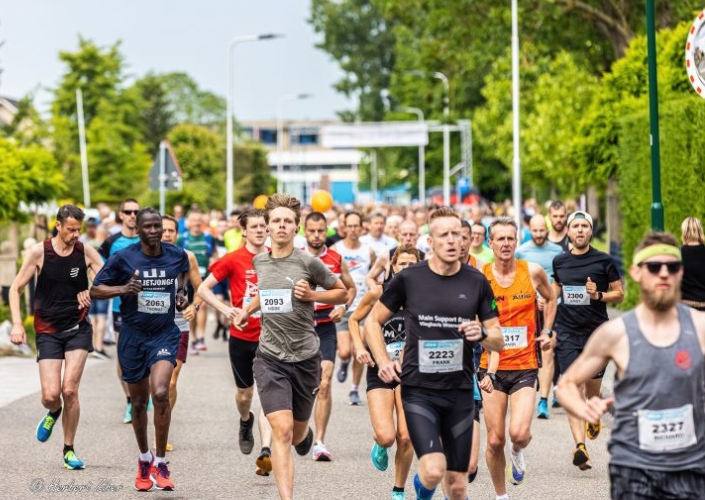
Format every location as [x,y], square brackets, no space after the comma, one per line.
[516,162]
[229,124]
[422,154]
[280,133]
[657,217]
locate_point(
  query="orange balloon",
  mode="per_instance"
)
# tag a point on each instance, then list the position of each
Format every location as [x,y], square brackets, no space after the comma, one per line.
[260,201]
[321,201]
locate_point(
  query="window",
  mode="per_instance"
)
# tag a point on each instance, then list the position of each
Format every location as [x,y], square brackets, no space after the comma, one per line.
[268,136]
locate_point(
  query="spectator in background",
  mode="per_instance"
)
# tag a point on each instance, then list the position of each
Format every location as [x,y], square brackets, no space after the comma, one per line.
[179,216]
[233,236]
[693,253]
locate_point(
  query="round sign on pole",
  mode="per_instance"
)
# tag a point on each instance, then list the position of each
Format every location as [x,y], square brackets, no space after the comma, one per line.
[695,54]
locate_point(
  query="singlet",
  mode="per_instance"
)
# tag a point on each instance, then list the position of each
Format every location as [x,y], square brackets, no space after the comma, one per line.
[238,269]
[379,245]
[58,284]
[359,264]
[517,318]
[201,246]
[564,243]
[332,260]
[659,419]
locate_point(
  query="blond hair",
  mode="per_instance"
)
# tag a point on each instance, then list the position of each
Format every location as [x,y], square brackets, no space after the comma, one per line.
[692,230]
[278,200]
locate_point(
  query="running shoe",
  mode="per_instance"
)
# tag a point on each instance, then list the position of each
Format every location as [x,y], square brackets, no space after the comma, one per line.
[555,403]
[264,462]
[127,419]
[472,476]
[305,446]
[201,345]
[143,481]
[398,495]
[245,437]
[421,492]
[593,431]
[45,428]
[343,371]
[320,454]
[380,457]
[193,351]
[99,354]
[71,461]
[149,404]
[161,477]
[543,410]
[355,398]
[581,458]
[517,469]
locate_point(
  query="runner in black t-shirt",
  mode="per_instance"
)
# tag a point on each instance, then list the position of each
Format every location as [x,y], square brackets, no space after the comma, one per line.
[442,300]
[586,280]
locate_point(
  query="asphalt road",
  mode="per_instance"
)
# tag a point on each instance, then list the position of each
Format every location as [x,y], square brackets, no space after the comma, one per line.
[206,462]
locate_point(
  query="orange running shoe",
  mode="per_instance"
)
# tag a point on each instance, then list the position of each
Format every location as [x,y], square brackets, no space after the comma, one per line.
[160,475]
[143,481]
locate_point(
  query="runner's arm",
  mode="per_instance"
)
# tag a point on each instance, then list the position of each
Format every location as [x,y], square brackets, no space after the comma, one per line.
[194,276]
[494,340]
[182,281]
[32,262]
[94,262]
[205,294]
[375,338]
[547,292]
[363,309]
[337,294]
[615,295]
[379,266]
[349,283]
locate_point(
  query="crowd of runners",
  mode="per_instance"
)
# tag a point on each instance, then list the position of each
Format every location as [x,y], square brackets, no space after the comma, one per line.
[455,321]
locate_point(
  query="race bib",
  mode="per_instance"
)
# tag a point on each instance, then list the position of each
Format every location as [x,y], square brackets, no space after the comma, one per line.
[666,430]
[153,302]
[576,296]
[514,337]
[394,350]
[246,300]
[275,301]
[440,356]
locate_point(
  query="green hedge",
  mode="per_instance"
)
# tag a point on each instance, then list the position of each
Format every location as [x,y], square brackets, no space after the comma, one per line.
[682,171]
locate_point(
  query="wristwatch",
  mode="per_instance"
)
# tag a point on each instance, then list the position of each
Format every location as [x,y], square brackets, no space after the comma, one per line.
[599,296]
[197,307]
[483,334]
[548,332]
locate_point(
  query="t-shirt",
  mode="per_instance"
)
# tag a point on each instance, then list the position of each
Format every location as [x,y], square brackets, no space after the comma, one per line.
[541,255]
[379,245]
[238,269]
[152,310]
[359,264]
[436,356]
[110,246]
[578,315]
[486,255]
[288,333]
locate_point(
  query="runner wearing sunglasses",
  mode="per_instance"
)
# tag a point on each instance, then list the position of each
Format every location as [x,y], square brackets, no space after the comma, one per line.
[586,280]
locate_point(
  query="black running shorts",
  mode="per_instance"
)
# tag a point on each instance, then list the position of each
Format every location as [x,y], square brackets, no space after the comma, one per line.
[374,382]
[569,347]
[242,355]
[329,340]
[510,381]
[54,345]
[628,483]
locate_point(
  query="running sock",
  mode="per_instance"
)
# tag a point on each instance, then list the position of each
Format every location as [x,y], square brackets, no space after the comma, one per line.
[159,460]
[266,448]
[397,489]
[353,388]
[55,414]
[577,445]
[502,497]
[544,400]
[129,400]
[146,457]
[515,453]
[67,448]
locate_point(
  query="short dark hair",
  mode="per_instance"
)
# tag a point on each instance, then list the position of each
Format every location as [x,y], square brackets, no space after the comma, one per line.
[556,205]
[656,238]
[465,224]
[69,212]
[172,219]
[281,200]
[147,211]
[352,212]
[251,213]
[235,213]
[128,200]
[410,249]
[315,217]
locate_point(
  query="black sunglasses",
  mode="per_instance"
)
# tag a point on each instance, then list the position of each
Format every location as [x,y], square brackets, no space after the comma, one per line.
[655,267]
[130,212]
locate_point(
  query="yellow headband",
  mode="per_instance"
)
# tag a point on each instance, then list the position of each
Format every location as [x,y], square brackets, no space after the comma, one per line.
[652,250]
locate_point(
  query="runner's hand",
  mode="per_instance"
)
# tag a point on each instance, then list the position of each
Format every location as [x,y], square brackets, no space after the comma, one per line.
[363,356]
[595,408]
[471,330]
[84,299]
[389,372]
[337,314]
[134,286]
[232,314]
[302,291]
[189,313]
[240,320]
[545,342]
[17,335]
[486,384]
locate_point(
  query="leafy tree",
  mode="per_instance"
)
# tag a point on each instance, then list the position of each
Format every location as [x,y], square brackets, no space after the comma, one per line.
[251,171]
[191,104]
[156,112]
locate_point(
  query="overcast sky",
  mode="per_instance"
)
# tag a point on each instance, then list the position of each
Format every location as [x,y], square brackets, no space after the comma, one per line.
[177,35]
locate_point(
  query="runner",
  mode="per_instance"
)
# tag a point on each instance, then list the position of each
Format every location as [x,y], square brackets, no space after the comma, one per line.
[182,319]
[408,233]
[379,242]
[509,377]
[441,299]
[482,253]
[587,280]
[238,270]
[63,331]
[558,234]
[542,252]
[127,236]
[148,276]
[384,398]
[326,316]
[288,362]
[359,258]
[657,444]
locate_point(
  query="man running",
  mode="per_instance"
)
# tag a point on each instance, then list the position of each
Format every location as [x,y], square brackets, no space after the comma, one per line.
[359,258]
[542,252]
[586,280]
[441,299]
[482,253]
[379,242]
[238,270]
[657,443]
[122,239]
[408,234]
[509,377]
[151,277]
[63,332]
[558,214]
[326,316]
[288,362]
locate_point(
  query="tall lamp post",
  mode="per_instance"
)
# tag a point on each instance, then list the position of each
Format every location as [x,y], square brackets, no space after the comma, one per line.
[422,154]
[657,218]
[280,133]
[516,162]
[229,123]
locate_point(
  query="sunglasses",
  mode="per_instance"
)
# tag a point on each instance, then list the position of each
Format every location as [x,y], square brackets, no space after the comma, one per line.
[130,212]
[655,267]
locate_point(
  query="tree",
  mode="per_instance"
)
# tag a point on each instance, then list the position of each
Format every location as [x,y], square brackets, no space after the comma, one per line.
[157,115]
[191,104]
[252,174]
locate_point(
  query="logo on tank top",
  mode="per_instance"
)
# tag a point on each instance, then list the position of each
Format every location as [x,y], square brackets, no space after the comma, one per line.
[153,273]
[74,272]
[683,360]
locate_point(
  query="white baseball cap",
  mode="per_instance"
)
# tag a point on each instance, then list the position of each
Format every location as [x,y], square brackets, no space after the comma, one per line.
[579,214]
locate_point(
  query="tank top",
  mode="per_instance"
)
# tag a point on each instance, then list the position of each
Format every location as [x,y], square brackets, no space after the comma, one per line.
[517,318]
[58,284]
[359,264]
[332,260]
[659,419]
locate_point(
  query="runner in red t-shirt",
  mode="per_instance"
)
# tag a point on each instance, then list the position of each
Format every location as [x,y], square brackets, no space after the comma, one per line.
[238,269]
